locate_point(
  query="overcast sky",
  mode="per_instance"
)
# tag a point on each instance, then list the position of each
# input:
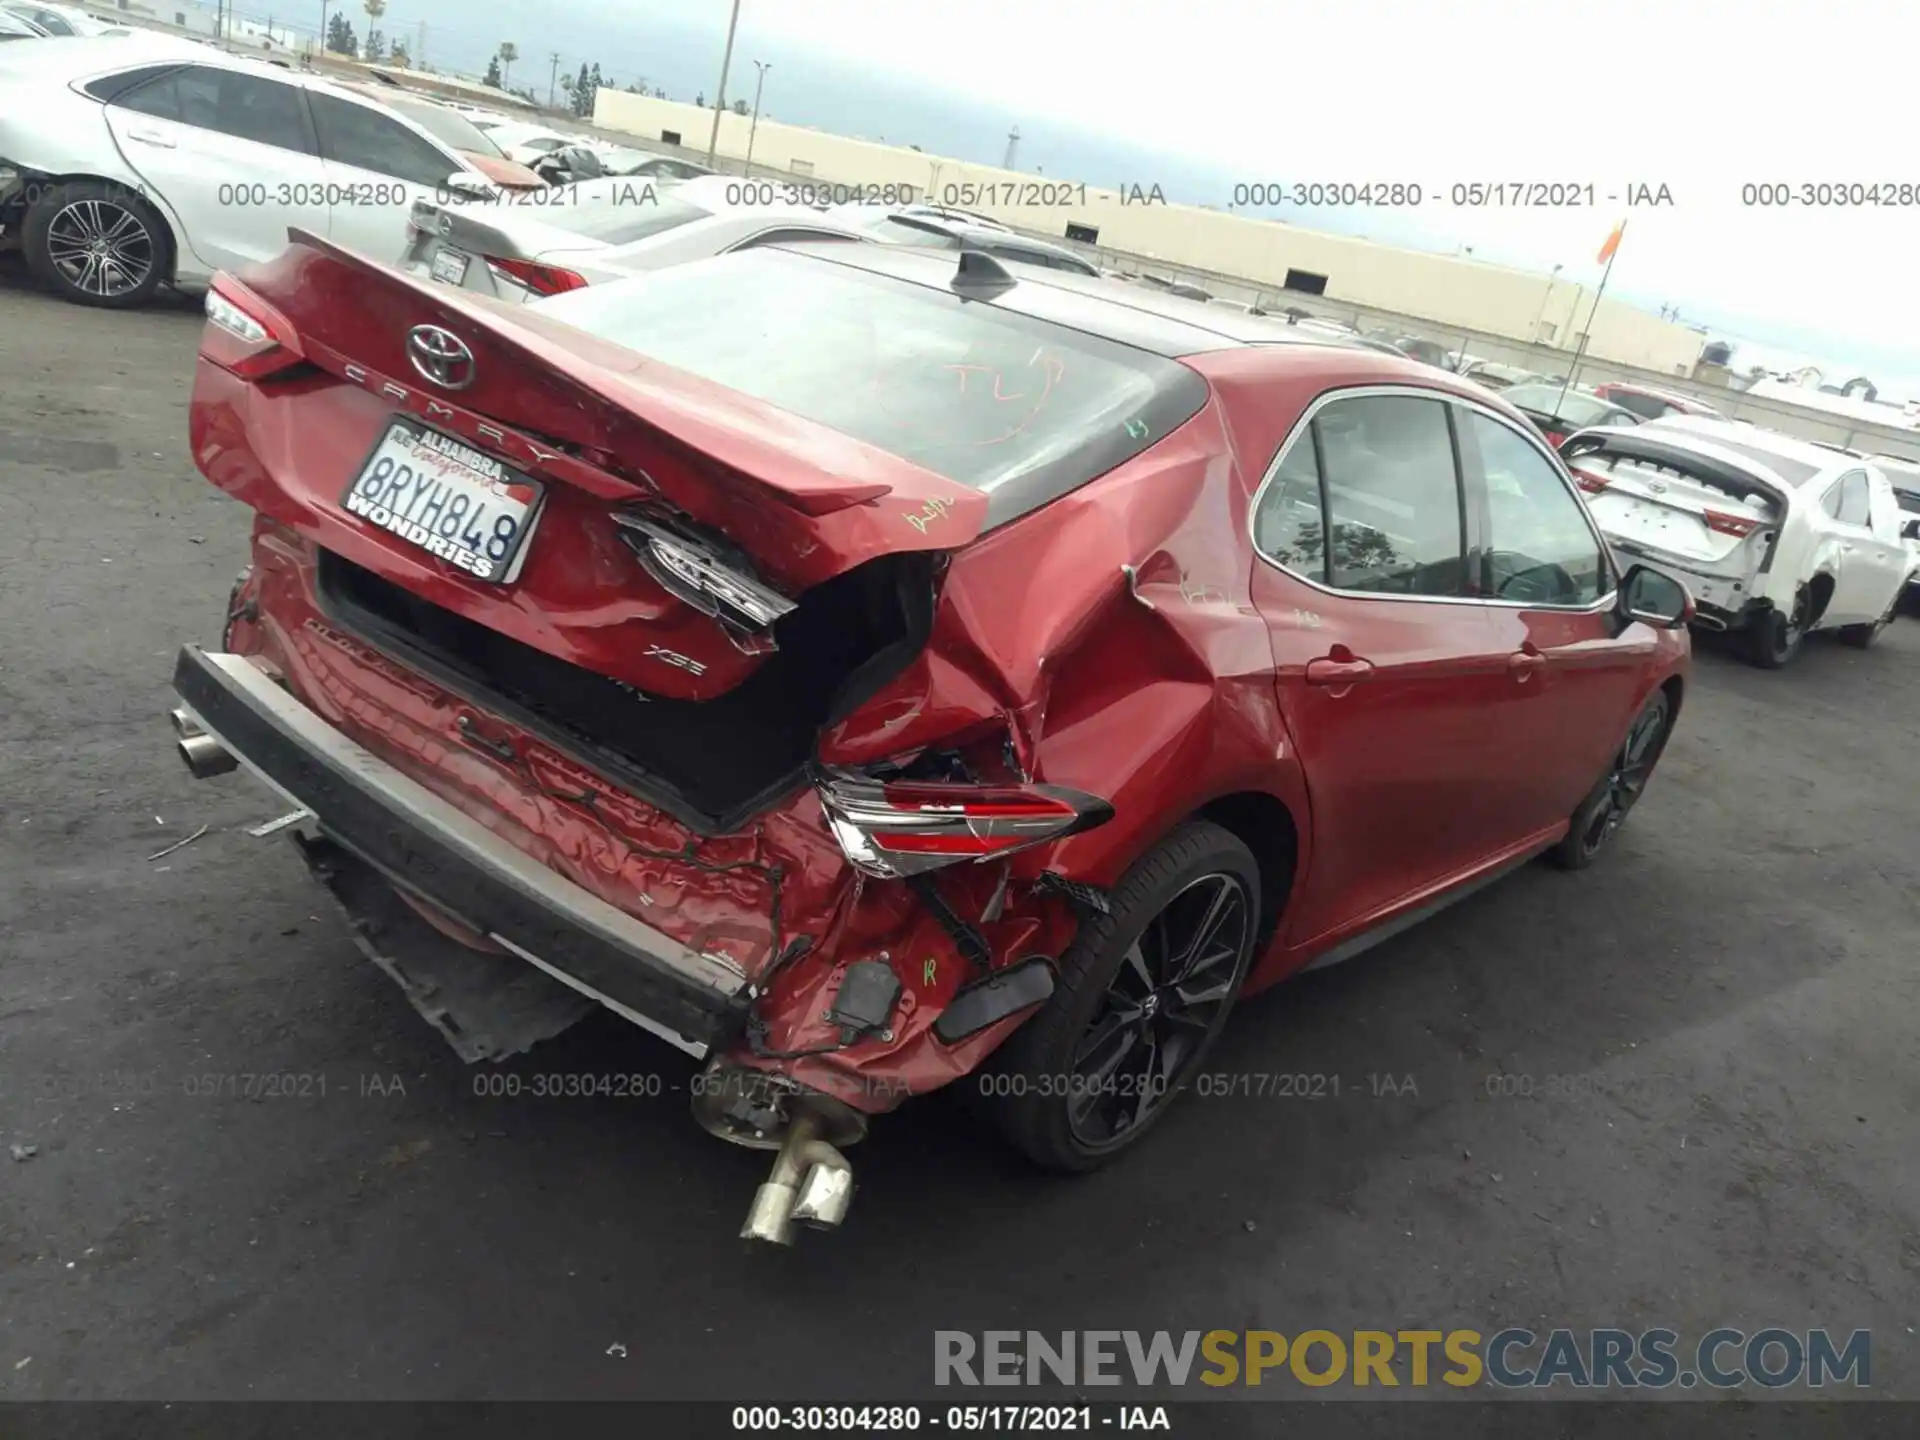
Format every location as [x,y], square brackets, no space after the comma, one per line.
[1699,95]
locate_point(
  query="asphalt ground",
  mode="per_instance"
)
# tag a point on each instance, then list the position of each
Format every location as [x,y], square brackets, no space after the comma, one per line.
[1678,1090]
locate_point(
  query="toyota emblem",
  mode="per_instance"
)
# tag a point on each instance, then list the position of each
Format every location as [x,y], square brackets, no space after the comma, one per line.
[440,356]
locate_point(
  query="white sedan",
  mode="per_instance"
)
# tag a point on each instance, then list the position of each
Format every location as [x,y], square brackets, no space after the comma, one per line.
[1774,536]
[126,163]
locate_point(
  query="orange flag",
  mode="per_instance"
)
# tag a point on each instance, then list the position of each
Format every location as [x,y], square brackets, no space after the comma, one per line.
[1613,243]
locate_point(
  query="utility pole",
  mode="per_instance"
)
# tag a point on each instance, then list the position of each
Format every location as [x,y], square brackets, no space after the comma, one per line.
[762,66]
[323,23]
[553,73]
[720,100]
[420,49]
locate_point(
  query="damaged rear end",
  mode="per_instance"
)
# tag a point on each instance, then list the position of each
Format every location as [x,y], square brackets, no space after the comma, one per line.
[605,652]
[1712,525]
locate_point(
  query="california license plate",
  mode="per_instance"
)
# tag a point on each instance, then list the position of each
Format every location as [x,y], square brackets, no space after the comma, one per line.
[447,498]
[451,265]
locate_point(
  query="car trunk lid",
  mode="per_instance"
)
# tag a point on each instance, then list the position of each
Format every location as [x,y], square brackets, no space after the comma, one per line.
[1663,498]
[701,573]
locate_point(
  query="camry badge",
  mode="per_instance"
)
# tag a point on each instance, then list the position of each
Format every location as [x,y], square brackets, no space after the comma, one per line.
[440,356]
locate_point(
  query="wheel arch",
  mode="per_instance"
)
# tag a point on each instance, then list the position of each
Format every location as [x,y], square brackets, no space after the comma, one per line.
[1675,687]
[1266,826]
[1819,596]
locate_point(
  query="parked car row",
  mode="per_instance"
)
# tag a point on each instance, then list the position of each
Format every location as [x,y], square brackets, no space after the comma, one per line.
[143,159]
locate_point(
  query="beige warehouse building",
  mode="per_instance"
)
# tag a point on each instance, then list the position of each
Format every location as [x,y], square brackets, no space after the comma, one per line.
[1266,255]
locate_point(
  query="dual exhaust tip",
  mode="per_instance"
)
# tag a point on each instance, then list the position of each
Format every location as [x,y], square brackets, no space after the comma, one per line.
[203,755]
[811,1184]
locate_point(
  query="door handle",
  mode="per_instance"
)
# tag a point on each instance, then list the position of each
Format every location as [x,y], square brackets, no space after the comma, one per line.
[1329,670]
[151,137]
[1522,663]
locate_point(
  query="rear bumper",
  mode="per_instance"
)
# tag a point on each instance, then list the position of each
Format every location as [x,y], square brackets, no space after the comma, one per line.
[425,845]
[1726,601]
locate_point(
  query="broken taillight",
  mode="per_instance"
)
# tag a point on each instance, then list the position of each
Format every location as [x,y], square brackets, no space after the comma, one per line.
[899,828]
[1727,524]
[541,279]
[245,334]
[1591,483]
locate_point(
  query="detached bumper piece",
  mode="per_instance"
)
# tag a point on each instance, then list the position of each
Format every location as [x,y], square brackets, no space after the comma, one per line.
[427,847]
[488,1007]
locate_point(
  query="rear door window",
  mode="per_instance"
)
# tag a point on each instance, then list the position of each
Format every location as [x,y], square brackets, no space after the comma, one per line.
[1847,500]
[1540,548]
[1368,499]
[362,137]
[1289,524]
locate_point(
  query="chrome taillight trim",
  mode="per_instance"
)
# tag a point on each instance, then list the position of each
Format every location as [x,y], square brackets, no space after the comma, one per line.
[858,810]
[690,572]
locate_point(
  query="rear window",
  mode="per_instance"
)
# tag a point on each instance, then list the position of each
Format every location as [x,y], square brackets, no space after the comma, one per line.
[1003,403]
[449,127]
[1576,408]
[1651,406]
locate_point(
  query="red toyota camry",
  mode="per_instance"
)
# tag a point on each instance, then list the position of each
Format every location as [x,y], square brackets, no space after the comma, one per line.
[867,667]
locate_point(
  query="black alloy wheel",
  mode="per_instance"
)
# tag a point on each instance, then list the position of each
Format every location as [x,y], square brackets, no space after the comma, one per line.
[1173,986]
[1608,804]
[1142,994]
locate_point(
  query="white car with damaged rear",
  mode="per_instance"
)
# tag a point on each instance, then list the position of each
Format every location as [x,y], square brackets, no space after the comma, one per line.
[1774,536]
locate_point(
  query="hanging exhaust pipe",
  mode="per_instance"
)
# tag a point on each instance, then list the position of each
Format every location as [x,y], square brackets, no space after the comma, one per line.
[205,756]
[811,1184]
[184,725]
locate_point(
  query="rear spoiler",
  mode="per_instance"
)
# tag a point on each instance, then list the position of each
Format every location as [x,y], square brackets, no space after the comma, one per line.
[802,465]
[1618,444]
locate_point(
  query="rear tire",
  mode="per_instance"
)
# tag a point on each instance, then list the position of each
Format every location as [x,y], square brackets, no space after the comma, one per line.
[97,243]
[1861,636]
[1773,638]
[1052,1091]
[1606,807]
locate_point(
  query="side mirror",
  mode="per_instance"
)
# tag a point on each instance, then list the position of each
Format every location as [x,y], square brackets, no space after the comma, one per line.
[1911,530]
[1654,598]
